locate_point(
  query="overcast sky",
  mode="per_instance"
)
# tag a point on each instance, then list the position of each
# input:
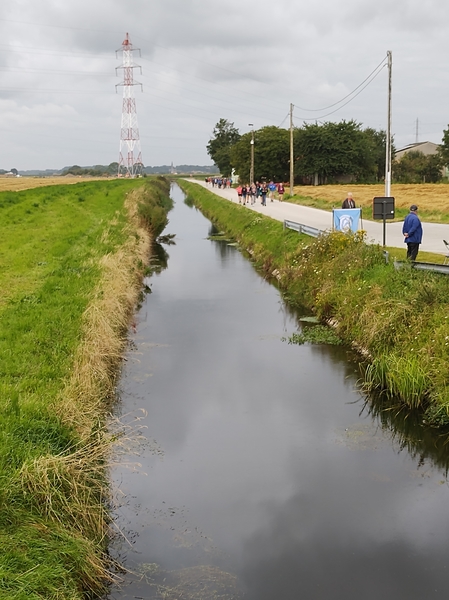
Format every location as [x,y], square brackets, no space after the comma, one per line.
[202,60]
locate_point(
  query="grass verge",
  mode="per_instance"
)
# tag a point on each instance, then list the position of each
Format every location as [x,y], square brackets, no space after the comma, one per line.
[72,260]
[399,318]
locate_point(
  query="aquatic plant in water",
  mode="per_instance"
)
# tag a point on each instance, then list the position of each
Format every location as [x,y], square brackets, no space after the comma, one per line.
[319,334]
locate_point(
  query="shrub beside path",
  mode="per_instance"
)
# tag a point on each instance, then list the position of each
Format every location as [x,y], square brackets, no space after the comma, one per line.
[433,236]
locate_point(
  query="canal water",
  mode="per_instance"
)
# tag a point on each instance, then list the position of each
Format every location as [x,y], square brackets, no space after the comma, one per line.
[260,470]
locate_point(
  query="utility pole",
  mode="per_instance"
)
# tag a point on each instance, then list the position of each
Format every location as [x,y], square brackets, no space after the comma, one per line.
[292,158]
[416,133]
[388,140]
[130,155]
[251,172]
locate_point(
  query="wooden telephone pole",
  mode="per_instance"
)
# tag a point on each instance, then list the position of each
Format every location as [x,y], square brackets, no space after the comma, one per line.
[388,141]
[292,157]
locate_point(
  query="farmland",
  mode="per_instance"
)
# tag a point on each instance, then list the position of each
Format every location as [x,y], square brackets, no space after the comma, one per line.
[432,198]
[17,184]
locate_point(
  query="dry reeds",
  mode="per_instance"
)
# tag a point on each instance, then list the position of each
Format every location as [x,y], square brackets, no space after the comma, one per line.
[70,488]
[106,320]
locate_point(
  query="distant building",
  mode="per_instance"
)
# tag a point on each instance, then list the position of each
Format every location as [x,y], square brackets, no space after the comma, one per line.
[426,148]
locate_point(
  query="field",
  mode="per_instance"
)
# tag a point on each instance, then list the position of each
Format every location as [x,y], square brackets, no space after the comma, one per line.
[17,184]
[432,199]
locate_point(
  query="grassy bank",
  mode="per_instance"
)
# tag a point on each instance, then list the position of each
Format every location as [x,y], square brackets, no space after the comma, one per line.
[72,259]
[399,318]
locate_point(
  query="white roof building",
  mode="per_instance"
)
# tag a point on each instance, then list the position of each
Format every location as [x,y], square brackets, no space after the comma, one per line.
[425,147]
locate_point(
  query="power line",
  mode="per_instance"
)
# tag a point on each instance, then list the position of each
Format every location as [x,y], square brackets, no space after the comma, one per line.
[51,52]
[151,62]
[243,102]
[206,62]
[379,66]
[348,102]
[19,70]
[284,119]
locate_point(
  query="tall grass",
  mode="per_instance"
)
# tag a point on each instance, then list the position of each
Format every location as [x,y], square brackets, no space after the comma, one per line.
[403,377]
[79,253]
[398,318]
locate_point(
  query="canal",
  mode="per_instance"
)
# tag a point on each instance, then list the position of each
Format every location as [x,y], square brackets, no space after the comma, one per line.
[260,470]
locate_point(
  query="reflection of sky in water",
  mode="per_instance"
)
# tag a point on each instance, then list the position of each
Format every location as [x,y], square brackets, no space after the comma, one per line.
[268,468]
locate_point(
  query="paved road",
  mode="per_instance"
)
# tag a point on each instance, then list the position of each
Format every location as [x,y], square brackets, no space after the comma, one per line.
[433,236]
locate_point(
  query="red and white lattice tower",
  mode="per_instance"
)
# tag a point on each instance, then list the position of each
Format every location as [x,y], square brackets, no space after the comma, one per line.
[130,157]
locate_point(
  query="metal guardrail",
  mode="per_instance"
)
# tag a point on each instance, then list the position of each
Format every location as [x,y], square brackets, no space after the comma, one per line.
[300,228]
[423,266]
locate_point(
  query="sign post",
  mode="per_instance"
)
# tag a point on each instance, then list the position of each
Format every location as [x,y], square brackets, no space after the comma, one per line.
[383,208]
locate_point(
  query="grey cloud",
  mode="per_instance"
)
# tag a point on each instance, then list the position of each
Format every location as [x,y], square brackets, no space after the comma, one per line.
[201,61]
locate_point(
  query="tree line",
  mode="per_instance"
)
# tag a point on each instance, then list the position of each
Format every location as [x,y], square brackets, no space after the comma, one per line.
[323,153]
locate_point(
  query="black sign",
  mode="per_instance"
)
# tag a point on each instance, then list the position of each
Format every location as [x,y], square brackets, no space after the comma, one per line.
[383,208]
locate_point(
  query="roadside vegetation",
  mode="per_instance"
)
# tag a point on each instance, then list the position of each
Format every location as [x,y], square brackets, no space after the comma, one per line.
[71,265]
[397,319]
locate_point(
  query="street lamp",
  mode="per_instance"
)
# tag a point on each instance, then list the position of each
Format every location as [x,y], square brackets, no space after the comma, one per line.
[251,172]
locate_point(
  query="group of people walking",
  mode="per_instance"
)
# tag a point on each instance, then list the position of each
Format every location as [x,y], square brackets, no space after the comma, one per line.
[220,182]
[249,194]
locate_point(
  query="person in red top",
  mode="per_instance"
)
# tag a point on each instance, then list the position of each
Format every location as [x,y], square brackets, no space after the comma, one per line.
[281,191]
[239,193]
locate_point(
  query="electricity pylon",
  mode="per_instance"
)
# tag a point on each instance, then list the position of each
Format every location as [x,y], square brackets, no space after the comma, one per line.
[130,157]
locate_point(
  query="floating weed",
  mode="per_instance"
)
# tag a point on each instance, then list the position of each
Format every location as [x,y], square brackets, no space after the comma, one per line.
[318,334]
[201,582]
[220,237]
[309,319]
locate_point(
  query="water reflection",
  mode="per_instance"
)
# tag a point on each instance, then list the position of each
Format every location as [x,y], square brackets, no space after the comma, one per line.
[224,246]
[158,257]
[405,428]
[426,445]
[274,472]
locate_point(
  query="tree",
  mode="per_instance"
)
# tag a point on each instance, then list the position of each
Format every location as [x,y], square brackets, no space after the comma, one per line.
[377,141]
[434,168]
[219,147]
[416,167]
[444,148]
[326,152]
[271,155]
